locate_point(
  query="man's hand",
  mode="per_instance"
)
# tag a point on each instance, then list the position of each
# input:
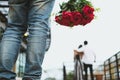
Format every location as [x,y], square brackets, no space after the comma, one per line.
[75,52]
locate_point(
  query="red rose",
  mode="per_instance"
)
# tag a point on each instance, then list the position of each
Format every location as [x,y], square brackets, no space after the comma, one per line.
[87,20]
[90,18]
[87,10]
[74,18]
[58,19]
[73,13]
[77,18]
[68,15]
[87,14]
[66,18]
[83,22]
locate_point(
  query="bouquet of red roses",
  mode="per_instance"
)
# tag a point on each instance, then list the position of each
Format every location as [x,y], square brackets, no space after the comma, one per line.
[75,12]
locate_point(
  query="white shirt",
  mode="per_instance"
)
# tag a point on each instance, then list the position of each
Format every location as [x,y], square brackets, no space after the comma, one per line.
[89,56]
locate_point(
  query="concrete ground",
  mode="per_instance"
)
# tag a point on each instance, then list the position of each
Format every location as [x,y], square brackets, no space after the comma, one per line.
[18,78]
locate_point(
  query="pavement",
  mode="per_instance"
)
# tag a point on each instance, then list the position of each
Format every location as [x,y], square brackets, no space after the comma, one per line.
[18,78]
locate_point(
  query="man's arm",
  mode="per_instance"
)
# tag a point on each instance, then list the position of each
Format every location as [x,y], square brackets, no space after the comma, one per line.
[94,57]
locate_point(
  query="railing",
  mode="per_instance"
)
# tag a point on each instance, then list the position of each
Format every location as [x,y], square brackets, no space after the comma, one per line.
[20,64]
[4,7]
[112,67]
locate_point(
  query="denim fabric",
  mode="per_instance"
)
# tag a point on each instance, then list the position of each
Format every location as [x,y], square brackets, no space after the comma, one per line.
[31,15]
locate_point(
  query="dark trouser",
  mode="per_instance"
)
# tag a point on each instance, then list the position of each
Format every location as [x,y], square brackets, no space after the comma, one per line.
[86,66]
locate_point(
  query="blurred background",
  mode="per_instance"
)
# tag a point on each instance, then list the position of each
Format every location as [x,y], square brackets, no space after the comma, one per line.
[102,35]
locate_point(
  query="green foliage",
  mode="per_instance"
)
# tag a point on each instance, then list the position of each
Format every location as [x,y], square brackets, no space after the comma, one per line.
[70,76]
[74,5]
[97,9]
[70,6]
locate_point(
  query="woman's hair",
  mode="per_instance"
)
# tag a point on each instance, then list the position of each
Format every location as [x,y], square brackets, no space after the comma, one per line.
[79,46]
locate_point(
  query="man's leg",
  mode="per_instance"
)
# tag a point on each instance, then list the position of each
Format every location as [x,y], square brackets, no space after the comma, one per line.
[39,14]
[86,72]
[91,72]
[11,40]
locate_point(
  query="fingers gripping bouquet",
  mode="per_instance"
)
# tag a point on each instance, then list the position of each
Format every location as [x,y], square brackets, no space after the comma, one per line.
[75,12]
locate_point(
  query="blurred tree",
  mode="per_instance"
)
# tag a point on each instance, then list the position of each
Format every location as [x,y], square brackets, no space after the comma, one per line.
[70,76]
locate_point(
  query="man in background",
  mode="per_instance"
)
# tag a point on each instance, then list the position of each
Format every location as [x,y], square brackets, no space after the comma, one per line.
[88,59]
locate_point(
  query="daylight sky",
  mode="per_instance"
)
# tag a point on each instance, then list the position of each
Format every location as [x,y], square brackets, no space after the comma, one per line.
[102,34]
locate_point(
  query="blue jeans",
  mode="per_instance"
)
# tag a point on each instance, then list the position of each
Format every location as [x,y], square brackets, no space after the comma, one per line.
[23,15]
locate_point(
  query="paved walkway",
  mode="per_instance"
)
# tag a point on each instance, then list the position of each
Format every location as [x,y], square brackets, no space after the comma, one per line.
[18,78]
